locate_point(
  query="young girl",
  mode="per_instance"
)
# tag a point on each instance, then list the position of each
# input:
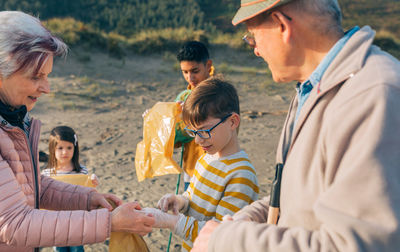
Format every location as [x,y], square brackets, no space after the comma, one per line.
[64,159]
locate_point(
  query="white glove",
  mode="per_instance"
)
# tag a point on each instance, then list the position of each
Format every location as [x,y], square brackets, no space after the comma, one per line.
[176,203]
[162,220]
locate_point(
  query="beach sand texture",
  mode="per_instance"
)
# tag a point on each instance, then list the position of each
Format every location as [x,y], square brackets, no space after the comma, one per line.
[103,99]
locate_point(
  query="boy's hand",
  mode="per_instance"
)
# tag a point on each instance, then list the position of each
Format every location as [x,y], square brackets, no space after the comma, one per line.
[173,202]
[180,103]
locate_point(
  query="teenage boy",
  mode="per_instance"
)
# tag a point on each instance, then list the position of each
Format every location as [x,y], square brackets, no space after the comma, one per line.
[196,66]
[224,180]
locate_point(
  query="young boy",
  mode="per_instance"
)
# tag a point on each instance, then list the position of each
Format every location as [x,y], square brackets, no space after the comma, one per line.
[196,66]
[224,180]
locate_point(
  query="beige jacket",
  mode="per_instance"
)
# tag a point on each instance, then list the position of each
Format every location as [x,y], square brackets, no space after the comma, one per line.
[341,179]
[21,226]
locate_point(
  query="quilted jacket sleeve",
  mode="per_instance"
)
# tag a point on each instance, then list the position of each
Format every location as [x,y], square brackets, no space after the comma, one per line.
[57,195]
[23,226]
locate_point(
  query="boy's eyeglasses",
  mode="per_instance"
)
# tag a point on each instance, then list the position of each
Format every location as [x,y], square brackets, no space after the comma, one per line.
[205,134]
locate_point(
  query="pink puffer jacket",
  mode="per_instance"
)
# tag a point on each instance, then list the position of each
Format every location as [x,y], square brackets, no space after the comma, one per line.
[22,227]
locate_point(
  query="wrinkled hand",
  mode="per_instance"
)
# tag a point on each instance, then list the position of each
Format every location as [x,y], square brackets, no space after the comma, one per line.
[173,202]
[94,179]
[100,200]
[239,217]
[162,219]
[227,218]
[201,242]
[127,218]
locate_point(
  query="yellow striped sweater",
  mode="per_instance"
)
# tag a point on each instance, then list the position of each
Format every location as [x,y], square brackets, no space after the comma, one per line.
[219,186]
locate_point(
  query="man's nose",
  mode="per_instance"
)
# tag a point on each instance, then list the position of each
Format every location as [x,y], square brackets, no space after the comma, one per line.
[256,52]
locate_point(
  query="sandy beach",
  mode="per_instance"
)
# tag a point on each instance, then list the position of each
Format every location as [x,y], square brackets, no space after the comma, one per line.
[103,99]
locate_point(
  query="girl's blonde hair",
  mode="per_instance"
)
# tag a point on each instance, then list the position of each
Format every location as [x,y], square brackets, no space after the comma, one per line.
[63,133]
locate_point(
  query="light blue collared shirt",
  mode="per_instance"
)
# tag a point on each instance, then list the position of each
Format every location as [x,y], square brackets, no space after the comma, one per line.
[304,89]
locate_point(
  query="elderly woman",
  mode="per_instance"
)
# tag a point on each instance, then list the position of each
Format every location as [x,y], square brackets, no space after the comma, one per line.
[26,59]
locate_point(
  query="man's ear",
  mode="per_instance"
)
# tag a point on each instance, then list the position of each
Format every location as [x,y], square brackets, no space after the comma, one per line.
[284,23]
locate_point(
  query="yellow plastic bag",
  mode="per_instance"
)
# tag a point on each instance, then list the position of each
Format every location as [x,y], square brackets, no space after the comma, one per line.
[191,154]
[120,241]
[75,179]
[154,153]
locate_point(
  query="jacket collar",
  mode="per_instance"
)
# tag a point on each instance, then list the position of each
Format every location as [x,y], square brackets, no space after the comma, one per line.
[13,116]
[348,62]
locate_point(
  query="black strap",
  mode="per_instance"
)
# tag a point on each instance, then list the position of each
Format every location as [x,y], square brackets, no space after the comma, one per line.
[276,187]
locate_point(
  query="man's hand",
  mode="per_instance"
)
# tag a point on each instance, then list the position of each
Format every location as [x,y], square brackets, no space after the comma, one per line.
[127,218]
[100,200]
[201,242]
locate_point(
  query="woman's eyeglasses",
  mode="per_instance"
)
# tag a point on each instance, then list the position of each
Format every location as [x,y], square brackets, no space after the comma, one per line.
[205,134]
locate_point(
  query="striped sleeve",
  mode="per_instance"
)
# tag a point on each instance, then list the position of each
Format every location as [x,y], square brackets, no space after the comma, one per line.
[188,228]
[236,188]
[241,190]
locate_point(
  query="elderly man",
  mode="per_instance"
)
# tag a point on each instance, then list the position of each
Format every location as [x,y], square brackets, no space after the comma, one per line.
[340,144]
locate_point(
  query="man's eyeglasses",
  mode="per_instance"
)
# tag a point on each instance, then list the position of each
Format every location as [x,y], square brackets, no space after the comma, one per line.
[251,41]
[205,134]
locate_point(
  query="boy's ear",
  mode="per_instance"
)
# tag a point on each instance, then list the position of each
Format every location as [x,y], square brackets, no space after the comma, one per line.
[208,64]
[235,119]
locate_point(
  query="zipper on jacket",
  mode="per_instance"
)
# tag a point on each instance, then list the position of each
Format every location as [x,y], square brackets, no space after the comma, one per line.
[35,175]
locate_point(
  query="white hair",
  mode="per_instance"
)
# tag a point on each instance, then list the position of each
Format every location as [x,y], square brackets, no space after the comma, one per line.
[326,13]
[25,44]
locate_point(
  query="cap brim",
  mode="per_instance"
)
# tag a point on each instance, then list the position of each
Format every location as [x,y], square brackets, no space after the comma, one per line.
[246,12]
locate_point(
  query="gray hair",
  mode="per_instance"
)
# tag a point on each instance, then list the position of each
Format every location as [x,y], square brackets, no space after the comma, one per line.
[25,44]
[326,13]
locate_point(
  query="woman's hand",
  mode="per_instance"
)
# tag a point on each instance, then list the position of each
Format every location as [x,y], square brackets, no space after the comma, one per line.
[101,200]
[129,218]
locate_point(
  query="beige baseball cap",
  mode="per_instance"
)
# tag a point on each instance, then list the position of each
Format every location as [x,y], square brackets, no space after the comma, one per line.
[251,8]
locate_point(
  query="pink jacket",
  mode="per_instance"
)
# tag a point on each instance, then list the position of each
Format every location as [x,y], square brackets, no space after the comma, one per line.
[340,186]
[22,227]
